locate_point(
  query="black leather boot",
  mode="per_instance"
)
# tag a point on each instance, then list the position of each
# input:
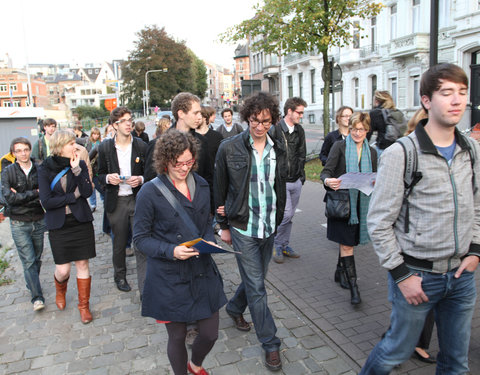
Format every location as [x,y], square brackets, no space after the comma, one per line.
[352,279]
[340,274]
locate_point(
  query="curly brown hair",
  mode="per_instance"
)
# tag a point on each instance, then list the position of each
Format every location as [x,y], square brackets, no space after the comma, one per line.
[258,102]
[170,146]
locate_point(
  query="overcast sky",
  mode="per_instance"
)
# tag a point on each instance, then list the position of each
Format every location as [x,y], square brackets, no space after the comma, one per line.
[59,31]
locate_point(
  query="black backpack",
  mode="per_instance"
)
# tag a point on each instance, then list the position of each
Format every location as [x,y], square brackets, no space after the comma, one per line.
[395,124]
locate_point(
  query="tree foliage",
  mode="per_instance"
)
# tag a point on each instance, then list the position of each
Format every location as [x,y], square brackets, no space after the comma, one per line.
[303,26]
[156,50]
[86,111]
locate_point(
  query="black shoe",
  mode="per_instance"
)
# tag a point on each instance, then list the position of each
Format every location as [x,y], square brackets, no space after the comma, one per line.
[273,361]
[430,359]
[123,286]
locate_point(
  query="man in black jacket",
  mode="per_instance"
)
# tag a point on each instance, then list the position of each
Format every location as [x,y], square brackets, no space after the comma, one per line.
[20,189]
[249,189]
[289,132]
[121,165]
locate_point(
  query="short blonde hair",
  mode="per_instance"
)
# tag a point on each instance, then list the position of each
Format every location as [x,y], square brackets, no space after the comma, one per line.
[59,139]
[384,99]
[359,118]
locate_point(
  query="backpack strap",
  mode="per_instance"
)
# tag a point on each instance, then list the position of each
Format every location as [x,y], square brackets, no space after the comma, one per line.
[411,175]
[473,156]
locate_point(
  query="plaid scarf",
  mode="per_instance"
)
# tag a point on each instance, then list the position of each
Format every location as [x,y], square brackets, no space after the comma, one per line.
[353,165]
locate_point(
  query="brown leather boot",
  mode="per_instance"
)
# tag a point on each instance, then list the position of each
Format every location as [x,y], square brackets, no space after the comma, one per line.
[61,288]
[83,286]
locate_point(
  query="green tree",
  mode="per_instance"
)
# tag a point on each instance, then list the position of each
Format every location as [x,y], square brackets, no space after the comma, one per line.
[156,50]
[86,111]
[199,73]
[303,26]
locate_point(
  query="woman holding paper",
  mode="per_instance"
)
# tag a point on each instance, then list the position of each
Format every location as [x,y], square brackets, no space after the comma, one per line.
[65,185]
[181,285]
[350,155]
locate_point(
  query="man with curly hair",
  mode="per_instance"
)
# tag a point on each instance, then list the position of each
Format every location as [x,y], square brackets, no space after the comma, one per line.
[250,194]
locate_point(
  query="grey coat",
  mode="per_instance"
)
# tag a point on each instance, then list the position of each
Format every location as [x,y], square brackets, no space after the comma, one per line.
[444,210]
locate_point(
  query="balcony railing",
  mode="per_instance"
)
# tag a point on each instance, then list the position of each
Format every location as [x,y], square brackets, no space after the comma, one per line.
[372,50]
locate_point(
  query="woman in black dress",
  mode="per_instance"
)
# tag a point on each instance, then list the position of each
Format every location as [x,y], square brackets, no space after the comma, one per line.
[351,155]
[64,188]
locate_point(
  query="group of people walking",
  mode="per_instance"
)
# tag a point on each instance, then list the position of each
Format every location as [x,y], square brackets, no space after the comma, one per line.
[425,233]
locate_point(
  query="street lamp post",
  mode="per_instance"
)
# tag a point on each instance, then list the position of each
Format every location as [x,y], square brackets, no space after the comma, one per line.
[147,94]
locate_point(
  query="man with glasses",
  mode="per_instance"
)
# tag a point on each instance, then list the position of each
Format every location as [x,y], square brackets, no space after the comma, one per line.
[121,162]
[249,189]
[290,133]
[20,189]
[41,149]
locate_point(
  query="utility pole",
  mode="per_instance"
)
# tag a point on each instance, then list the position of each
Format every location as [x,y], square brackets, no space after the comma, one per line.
[147,93]
[433,32]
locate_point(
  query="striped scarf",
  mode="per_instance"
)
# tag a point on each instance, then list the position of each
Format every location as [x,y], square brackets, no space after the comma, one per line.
[365,165]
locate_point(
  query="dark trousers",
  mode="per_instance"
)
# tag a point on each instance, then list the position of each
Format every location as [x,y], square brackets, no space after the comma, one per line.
[120,221]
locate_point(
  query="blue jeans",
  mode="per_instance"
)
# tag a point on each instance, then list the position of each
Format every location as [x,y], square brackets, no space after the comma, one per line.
[453,301]
[282,239]
[28,238]
[253,266]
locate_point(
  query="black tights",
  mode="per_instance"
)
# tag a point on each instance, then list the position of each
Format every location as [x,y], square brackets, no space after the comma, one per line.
[176,349]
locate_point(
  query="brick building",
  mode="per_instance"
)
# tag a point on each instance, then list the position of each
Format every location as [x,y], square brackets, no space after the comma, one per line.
[14,89]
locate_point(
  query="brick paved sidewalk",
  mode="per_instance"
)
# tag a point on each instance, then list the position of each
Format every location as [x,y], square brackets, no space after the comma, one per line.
[121,341]
[308,283]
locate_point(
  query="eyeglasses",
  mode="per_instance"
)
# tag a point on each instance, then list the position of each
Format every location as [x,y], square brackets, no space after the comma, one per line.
[22,151]
[124,121]
[300,113]
[265,123]
[345,116]
[359,130]
[181,164]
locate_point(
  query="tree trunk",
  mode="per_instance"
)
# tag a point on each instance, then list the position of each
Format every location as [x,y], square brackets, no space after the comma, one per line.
[326,94]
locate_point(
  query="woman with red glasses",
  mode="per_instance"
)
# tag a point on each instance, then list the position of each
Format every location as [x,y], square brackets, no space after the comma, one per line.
[181,285]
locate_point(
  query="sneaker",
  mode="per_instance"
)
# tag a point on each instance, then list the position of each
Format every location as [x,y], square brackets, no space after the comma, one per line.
[191,336]
[38,305]
[277,255]
[289,252]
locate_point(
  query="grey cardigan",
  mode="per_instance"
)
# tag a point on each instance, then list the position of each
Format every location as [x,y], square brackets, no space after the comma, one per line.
[444,210]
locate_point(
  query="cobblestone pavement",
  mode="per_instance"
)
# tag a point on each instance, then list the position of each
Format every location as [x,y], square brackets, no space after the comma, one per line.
[321,332]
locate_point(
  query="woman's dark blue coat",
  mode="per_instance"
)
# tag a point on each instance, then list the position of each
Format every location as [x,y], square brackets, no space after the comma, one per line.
[176,290]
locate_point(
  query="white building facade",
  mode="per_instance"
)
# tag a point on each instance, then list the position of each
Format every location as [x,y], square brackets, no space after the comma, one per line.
[390,52]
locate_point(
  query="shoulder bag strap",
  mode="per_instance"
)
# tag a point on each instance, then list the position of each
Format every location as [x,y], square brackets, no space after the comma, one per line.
[58,177]
[176,206]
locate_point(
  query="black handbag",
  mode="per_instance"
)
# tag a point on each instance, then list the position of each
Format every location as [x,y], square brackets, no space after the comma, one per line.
[337,204]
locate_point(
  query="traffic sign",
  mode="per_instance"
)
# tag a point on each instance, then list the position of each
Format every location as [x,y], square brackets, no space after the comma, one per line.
[336,73]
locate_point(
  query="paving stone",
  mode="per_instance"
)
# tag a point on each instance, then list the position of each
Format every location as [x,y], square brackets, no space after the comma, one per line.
[41,362]
[18,366]
[294,369]
[323,354]
[227,358]
[290,342]
[295,354]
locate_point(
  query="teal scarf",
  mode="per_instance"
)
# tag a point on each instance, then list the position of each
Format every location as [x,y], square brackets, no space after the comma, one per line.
[365,165]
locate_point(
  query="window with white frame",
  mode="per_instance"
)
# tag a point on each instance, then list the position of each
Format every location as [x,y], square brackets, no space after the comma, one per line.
[415,16]
[393,21]
[373,88]
[356,34]
[356,88]
[373,32]
[290,86]
[394,89]
[312,85]
[311,118]
[13,87]
[443,13]
[416,91]
[300,85]
[3,88]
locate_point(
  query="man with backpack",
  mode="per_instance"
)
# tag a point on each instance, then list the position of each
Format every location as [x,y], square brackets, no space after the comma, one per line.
[41,149]
[428,236]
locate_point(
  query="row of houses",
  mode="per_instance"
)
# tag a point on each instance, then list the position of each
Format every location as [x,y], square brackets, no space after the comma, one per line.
[389,52]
